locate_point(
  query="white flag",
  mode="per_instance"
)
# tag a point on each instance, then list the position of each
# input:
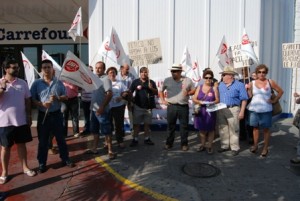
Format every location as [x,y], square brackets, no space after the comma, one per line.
[194,73]
[106,52]
[29,70]
[247,48]
[186,60]
[114,44]
[56,66]
[76,27]
[223,54]
[77,73]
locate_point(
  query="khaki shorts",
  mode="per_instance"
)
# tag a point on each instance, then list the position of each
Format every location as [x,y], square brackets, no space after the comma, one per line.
[141,115]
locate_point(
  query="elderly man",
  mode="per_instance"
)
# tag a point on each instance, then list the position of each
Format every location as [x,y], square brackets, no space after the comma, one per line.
[178,89]
[234,95]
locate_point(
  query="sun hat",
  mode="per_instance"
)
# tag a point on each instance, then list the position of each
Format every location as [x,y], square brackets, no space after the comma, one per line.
[229,70]
[176,67]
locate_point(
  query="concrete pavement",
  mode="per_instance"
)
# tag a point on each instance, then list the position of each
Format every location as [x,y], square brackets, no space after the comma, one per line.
[152,173]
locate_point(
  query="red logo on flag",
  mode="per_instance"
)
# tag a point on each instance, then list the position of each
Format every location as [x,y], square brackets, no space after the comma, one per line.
[245,39]
[224,48]
[86,78]
[71,66]
[106,46]
[26,64]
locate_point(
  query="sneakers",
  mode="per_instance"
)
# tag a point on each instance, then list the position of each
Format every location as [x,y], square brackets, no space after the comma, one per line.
[134,143]
[148,142]
[184,148]
[68,163]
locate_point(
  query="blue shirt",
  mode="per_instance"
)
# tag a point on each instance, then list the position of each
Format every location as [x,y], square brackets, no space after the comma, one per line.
[41,91]
[232,94]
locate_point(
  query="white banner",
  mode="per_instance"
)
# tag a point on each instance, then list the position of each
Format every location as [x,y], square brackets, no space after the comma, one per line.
[77,73]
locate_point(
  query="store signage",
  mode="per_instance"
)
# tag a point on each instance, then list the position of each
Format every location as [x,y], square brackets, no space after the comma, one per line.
[36,34]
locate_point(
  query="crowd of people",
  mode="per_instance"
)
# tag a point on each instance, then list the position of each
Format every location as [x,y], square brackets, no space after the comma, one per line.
[248,105]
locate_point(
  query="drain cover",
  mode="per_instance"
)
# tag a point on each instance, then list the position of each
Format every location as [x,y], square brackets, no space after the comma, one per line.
[202,170]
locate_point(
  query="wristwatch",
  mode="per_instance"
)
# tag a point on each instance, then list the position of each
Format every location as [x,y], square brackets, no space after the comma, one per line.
[3,88]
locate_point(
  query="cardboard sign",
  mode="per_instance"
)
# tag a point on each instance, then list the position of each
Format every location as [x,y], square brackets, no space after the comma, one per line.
[144,52]
[291,55]
[239,58]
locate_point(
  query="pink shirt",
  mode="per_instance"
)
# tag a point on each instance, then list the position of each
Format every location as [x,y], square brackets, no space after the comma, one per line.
[12,103]
[71,89]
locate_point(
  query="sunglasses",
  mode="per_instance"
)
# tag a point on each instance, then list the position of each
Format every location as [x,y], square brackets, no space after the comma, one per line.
[261,72]
[175,71]
[46,67]
[208,78]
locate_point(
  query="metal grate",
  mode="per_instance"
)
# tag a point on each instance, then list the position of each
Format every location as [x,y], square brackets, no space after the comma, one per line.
[202,170]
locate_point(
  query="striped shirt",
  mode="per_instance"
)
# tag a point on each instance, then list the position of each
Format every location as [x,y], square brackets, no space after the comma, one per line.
[232,94]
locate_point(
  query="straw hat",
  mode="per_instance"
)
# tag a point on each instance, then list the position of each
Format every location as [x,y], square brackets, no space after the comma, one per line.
[176,67]
[229,70]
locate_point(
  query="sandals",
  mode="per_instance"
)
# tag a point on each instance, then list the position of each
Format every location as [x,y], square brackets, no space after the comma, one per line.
[200,148]
[253,149]
[209,150]
[30,173]
[3,179]
[264,154]
[91,152]
[112,155]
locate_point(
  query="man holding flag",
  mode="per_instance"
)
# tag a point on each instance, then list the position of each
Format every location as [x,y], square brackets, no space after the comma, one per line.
[47,94]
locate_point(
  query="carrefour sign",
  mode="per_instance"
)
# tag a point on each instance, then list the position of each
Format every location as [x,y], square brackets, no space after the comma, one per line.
[36,34]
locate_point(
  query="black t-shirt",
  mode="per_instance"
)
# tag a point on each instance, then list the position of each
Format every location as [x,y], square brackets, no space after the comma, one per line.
[144,97]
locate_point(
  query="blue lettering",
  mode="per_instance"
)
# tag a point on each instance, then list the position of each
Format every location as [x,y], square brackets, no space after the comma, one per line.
[52,34]
[18,33]
[44,30]
[36,35]
[10,35]
[2,31]
[26,33]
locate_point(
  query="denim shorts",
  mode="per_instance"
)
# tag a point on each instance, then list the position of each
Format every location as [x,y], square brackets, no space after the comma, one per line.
[100,124]
[260,120]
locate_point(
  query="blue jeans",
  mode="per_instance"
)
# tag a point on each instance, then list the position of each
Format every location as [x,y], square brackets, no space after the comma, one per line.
[180,112]
[87,115]
[53,124]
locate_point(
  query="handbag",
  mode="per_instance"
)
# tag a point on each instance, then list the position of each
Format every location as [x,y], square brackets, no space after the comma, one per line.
[277,109]
[296,119]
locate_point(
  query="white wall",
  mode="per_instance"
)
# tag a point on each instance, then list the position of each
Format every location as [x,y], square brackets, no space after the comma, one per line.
[199,25]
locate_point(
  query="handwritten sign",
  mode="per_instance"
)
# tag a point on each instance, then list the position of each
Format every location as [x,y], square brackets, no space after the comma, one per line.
[291,55]
[239,58]
[144,52]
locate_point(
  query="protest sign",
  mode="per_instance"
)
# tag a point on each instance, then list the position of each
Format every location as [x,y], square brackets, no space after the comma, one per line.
[239,58]
[144,52]
[291,55]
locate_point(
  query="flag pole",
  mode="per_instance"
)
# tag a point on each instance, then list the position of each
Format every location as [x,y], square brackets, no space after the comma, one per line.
[54,90]
[296,87]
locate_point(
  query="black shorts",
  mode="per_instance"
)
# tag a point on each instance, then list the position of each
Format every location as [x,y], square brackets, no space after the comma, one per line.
[14,134]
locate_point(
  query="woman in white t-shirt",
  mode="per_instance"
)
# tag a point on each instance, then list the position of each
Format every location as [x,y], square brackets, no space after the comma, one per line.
[117,105]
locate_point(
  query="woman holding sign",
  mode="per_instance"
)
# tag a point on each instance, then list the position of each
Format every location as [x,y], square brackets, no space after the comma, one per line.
[206,94]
